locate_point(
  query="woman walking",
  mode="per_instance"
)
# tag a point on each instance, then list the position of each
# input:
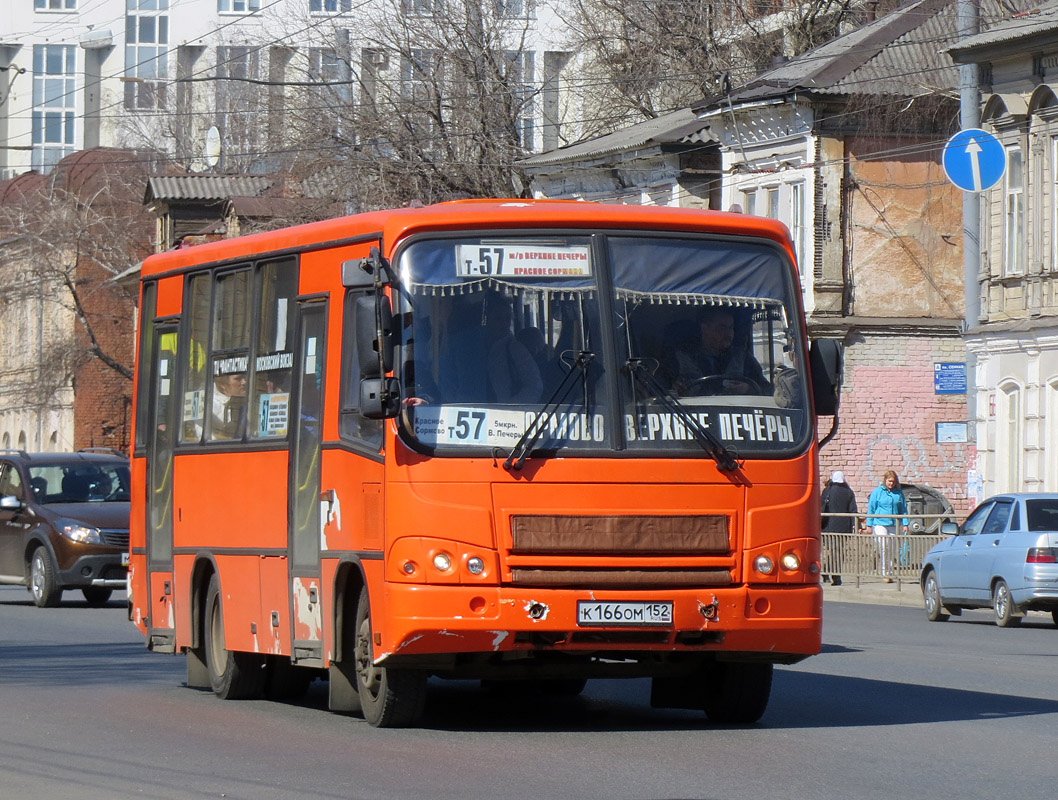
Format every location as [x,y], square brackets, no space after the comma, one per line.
[886,499]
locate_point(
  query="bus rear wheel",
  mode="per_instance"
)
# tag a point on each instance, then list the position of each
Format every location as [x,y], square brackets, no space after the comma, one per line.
[390,698]
[233,676]
[736,693]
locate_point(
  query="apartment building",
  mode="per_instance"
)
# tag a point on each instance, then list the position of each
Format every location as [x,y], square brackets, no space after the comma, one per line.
[218,84]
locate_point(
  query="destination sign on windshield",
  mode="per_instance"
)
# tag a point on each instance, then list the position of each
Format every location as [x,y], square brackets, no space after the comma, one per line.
[512,260]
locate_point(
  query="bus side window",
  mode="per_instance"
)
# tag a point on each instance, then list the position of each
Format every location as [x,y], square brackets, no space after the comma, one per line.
[352,424]
[274,356]
[192,408]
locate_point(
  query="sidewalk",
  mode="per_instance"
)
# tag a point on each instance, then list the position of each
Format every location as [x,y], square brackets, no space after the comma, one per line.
[874,591]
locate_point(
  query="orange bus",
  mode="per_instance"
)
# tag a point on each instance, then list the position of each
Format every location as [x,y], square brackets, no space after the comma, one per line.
[522,442]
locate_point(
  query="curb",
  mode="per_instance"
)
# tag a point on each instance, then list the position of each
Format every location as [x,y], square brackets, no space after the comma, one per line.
[906,594]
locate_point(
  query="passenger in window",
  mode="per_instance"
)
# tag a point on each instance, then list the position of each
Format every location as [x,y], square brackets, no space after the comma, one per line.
[704,358]
[513,375]
[229,406]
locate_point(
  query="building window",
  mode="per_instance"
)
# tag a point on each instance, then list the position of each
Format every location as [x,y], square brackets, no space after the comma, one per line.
[146,54]
[1014,215]
[54,104]
[1008,438]
[513,8]
[1050,436]
[749,201]
[237,95]
[797,220]
[330,6]
[421,8]
[773,202]
[518,71]
[55,5]
[238,6]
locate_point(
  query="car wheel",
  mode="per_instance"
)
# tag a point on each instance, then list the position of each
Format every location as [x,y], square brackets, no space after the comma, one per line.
[233,676]
[931,598]
[46,592]
[1003,606]
[736,693]
[96,595]
[389,698]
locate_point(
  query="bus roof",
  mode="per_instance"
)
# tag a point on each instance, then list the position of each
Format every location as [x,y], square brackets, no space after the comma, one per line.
[394,224]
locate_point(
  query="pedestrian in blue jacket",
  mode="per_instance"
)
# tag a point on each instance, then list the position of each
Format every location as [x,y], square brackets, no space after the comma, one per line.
[886,499]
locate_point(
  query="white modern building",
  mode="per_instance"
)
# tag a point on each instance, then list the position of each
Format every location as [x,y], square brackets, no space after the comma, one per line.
[76,74]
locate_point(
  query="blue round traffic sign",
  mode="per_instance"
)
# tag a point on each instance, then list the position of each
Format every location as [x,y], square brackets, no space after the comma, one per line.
[974,160]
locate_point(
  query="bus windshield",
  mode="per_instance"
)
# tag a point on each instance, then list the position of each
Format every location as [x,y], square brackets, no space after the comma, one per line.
[616,342]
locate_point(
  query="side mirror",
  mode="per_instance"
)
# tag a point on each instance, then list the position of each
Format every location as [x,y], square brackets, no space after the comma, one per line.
[379,398]
[374,336]
[949,528]
[10,503]
[825,364]
[360,273]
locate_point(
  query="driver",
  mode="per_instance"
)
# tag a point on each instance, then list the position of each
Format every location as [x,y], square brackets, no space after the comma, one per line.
[714,364]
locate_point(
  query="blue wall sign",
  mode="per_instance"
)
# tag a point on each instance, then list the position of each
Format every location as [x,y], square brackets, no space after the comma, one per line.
[974,160]
[949,378]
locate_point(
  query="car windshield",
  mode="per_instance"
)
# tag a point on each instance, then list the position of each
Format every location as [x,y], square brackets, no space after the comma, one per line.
[80,482]
[610,342]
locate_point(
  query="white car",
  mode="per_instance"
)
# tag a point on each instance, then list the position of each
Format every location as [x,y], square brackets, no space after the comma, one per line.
[1005,556]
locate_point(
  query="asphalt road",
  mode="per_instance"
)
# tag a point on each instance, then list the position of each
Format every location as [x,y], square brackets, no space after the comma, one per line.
[894,707]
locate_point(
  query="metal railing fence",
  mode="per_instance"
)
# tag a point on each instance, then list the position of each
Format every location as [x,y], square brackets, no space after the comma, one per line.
[864,556]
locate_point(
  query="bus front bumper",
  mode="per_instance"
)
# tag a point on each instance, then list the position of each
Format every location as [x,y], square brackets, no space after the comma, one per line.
[775,623]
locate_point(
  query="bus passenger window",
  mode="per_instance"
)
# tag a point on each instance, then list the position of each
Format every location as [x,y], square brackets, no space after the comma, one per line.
[192,409]
[230,356]
[273,355]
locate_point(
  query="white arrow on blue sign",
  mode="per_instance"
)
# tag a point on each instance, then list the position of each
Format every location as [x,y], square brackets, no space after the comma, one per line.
[974,160]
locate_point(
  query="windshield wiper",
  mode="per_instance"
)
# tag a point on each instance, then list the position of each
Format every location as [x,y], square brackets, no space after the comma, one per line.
[525,443]
[726,460]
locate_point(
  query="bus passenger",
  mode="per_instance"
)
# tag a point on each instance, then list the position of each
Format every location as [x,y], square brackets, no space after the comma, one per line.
[229,406]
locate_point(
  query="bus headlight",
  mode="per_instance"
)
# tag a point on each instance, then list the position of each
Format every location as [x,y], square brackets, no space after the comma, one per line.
[442,562]
[764,565]
[791,561]
[475,566]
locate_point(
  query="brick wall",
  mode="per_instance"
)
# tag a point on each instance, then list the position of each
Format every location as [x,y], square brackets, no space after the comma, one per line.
[889,413]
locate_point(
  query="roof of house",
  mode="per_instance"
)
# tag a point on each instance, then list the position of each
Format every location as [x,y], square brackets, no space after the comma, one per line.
[205,188]
[1038,24]
[901,54]
[678,127]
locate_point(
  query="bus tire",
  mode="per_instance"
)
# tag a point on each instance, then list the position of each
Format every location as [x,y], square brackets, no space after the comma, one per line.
[233,676]
[389,698]
[736,693]
[96,595]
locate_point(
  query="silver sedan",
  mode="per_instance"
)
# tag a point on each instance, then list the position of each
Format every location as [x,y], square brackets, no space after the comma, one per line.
[1005,556]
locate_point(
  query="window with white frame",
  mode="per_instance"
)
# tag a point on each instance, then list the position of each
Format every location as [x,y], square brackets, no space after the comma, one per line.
[146,54]
[420,84]
[513,8]
[1008,438]
[326,66]
[749,200]
[421,8]
[330,6]
[54,104]
[55,5]
[797,221]
[518,67]
[1014,215]
[1054,203]
[238,6]
[773,202]
[237,95]
[1050,435]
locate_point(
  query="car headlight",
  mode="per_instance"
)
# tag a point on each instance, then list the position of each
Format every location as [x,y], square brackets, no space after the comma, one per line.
[78,532]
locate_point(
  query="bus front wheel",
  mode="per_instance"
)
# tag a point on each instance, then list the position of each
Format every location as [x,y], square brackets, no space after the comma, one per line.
[390,698]
[736,693]
[233,676]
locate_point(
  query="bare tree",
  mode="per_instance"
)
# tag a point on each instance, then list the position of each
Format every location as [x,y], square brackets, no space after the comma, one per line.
[642,58]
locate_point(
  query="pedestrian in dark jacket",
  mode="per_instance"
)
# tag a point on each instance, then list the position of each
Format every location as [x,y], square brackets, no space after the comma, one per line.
[837,498]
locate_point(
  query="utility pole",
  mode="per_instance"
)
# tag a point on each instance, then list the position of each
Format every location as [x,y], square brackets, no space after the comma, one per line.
[968,14]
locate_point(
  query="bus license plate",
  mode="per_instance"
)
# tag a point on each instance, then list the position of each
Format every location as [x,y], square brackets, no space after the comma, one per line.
[590,612]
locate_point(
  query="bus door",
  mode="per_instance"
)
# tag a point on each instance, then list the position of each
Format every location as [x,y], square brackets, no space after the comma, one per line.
[305,506]
[161,620]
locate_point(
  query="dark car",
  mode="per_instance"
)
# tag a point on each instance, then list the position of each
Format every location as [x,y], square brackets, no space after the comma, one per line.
[64,523]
